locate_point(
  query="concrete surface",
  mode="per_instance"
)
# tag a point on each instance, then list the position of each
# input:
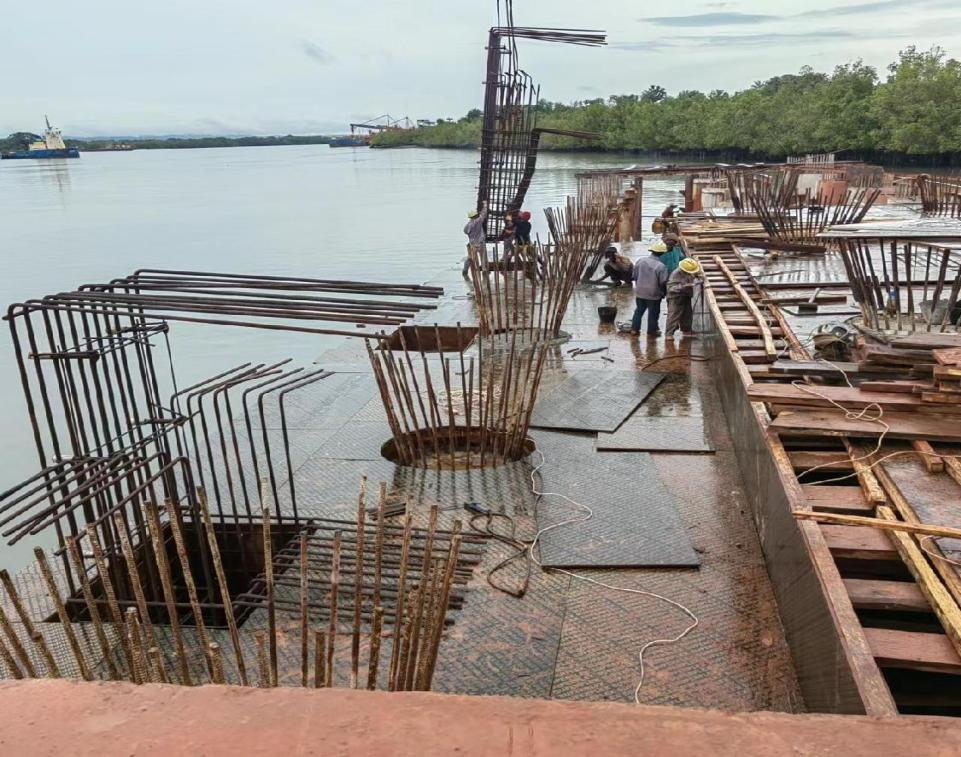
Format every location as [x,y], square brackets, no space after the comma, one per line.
[60,717]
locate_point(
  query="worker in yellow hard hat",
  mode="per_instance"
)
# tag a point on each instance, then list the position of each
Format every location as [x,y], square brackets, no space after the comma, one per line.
[650,286]
[680,297]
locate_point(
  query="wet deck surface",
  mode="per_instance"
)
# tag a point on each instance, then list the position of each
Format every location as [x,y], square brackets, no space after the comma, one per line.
[568,638]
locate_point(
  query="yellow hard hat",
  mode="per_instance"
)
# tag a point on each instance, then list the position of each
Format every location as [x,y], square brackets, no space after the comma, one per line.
[690,265]
[658,247]
[472,214]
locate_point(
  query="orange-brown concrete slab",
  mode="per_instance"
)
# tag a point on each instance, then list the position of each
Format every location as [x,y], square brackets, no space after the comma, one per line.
[51,717]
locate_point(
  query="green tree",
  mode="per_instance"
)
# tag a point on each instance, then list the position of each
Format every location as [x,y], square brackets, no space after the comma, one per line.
[654,94]
[918,108]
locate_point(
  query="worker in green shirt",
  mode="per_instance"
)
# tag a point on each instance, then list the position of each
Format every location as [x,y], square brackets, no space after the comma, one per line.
[675,253]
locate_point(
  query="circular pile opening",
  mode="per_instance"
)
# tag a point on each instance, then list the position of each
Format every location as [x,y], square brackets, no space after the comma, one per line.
[456,448]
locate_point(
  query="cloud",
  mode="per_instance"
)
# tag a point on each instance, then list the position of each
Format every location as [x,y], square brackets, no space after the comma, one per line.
[643,46]
[712,19]
[735,18]
[754,40]
[317,53]
[729,40]
[850,10]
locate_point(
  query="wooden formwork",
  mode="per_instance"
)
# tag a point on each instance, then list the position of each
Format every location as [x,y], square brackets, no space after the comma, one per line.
[871,614]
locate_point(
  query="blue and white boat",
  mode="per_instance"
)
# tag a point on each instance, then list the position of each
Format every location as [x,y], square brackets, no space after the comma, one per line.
[51,145]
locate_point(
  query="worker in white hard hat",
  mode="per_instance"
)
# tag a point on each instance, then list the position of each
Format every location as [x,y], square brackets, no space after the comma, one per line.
[650,286]
[680,297]
[476,235]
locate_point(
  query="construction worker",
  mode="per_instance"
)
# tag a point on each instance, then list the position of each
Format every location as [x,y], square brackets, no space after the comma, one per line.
[650,286]
[680,296]
[522,230]
[618,268]
[507,236]
[675,253]
[476,236]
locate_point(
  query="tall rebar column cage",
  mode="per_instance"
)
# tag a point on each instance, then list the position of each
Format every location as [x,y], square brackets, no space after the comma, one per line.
[803,223]
[776,186]
[460,411]
[585,226]
[903,286]
[509,135]
[940,194]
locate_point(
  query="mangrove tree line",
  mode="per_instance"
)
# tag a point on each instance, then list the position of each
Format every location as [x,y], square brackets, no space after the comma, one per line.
[914,111]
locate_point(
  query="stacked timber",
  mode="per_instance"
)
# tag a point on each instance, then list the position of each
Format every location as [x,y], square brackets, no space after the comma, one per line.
[946,389]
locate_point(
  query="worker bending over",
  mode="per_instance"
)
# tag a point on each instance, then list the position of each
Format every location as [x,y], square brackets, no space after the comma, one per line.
[618,268]
[680,296]
[476,236]
[650,286]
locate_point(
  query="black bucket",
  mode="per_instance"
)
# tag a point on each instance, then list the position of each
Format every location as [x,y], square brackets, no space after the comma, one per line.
[607,314]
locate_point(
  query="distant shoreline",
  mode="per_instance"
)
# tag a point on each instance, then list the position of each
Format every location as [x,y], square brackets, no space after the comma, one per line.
[190,143]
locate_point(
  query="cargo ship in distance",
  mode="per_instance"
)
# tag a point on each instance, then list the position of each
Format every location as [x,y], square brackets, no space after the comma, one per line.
[351,141]
[51,145]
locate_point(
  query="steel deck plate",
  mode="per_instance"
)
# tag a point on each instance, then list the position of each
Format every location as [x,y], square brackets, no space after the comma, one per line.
[593,400]
[635,521]
[651,433]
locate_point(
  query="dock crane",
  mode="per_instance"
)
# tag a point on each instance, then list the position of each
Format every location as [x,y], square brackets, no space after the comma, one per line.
[383,123]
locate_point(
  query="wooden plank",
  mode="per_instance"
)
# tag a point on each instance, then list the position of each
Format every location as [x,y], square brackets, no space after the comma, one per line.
[947,372]
[765,329]
[908,387]
[754,357]
[880,353]
[829,461]
[821,299]
[753,331]
[861,460]
[943,604]
[899,425]
[826,396]
[948,356]
[938,398]
[815,368]
[885,524]
[919,496]
[931,460]
[902,596]
[916,651]
[859,543]
[843,499]
[928,340]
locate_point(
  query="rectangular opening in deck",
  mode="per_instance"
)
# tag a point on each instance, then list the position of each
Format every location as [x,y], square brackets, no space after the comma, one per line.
[241,554]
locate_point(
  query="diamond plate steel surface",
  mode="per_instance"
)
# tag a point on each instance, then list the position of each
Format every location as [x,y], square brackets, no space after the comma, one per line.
[326,403]
[651,433]
[593,400]
[736,659]
[565,638]
[675,396]
[635,521]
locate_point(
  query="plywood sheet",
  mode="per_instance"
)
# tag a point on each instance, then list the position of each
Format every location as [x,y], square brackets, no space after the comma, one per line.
[593,400]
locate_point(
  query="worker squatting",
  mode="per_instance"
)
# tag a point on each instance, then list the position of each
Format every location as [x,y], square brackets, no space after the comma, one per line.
[665,273]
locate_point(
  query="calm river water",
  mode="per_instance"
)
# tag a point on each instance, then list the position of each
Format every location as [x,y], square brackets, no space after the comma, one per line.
[377,215]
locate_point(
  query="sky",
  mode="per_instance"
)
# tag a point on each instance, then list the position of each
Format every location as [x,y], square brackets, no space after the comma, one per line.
[112,67]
